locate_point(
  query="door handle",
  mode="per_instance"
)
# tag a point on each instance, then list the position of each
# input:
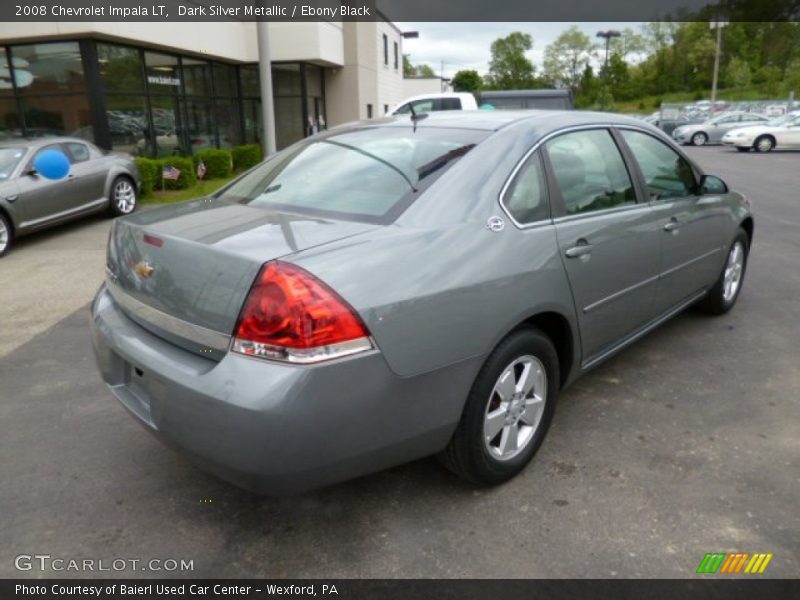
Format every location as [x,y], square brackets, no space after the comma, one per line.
[672,225]
[11,198]
[582,248]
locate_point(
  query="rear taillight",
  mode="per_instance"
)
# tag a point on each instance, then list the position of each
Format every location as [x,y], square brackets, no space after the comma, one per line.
[291,315]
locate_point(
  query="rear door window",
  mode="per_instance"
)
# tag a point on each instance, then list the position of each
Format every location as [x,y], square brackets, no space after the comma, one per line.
[589,171]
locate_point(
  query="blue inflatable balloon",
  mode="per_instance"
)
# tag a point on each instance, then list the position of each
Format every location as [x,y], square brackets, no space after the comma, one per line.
[52,164]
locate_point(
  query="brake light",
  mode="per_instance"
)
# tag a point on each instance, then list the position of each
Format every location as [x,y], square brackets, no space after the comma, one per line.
[291,315]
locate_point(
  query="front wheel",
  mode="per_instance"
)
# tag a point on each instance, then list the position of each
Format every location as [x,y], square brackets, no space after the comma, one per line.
[721,298]
[699,139]
[764,144]
[508,410]
[123,197]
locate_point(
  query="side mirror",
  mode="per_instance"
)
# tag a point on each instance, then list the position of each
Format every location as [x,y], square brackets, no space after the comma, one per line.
[711,184]
[31,172]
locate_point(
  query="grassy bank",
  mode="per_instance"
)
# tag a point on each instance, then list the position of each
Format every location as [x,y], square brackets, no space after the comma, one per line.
[201,188]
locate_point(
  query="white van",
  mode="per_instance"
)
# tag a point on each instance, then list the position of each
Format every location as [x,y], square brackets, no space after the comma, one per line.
[431,102]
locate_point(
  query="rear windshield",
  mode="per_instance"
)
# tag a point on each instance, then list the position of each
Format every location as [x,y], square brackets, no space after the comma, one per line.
[367,174]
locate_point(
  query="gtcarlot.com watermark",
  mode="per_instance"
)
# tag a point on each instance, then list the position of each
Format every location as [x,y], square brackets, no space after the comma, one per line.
[46,562]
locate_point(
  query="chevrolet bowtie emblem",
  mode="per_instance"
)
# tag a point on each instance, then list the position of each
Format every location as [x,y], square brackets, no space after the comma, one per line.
[143,269]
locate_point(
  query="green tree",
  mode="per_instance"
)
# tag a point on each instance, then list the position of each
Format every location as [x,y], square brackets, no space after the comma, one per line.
[467,81]
[509,68]
[410,70]
[424,70]
[628,43]
[588,90]
[738,73]
[566,58]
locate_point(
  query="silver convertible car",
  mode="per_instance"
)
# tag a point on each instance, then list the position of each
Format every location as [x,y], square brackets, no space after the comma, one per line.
[97,181]
[407,287]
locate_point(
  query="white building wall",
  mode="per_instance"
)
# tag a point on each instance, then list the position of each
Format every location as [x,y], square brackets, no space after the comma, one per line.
[389,79]
[417,86]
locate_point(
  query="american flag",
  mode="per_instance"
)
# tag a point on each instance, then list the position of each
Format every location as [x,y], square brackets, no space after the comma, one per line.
[201,169]
[170,173]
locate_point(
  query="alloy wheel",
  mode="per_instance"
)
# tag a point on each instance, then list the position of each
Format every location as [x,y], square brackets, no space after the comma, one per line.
[124,196]
[515,408]
[4,236]
[764,144]
[734,268]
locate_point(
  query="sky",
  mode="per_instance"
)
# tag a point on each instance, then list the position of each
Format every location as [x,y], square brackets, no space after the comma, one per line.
[466,45]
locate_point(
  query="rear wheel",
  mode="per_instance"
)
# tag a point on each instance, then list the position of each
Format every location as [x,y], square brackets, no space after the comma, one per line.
[699,139]
[123,197]
[508,410]
[721,298]
[6,234]
[764,144]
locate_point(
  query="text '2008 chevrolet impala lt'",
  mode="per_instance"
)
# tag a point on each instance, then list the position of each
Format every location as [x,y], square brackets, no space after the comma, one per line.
[400,288]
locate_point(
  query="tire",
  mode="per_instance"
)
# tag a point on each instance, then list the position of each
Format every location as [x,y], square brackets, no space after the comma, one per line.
[123,197]
[699,139]
[484,460]
[6,235]
[743,148]
[764,144]
[721,298]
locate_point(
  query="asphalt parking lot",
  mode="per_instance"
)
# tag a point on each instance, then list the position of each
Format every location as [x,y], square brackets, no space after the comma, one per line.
[685,443]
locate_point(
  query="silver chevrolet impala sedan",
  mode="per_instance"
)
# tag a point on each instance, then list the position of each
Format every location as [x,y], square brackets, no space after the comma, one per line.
[394,289]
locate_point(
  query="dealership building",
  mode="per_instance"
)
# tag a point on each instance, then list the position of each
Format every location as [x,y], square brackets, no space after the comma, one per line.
[157,89]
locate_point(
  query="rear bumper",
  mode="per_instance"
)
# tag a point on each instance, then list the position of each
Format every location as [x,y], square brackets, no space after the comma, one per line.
[273,428]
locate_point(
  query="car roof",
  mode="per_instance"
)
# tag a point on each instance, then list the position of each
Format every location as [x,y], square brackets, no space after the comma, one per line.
[435,95]
[494,120]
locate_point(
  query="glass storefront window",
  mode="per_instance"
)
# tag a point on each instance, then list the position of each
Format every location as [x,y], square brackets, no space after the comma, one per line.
[250,81]
[166,123]
[313,80]
[227,118]
[224,80]
[199,125]
[163,75]
[6,86]
[54,67]
[57,115]
[289,126]
[196,77]
[286,80]
[120,68]
[10,126]
[128,124]
[252,121]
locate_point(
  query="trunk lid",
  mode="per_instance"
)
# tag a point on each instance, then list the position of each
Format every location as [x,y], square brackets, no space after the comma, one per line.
[184,272]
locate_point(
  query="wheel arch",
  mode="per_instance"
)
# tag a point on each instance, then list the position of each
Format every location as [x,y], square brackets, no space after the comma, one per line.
[4,211]
[558,328]
[748,226]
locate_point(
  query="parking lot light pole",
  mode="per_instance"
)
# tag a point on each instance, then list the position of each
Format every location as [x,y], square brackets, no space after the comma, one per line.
[718,25]
[611,33]
[265,80]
